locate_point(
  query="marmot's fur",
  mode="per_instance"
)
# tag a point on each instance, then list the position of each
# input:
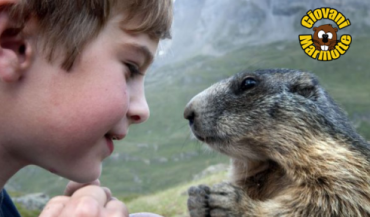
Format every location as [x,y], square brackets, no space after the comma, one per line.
[294,152]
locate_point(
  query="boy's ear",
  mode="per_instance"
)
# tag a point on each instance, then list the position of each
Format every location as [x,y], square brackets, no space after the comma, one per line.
[15,50]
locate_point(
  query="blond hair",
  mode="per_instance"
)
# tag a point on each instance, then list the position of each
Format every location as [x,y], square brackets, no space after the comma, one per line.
[70,24]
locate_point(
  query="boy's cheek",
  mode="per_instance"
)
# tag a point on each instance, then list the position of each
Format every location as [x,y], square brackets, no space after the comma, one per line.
[77,124]
[90,110]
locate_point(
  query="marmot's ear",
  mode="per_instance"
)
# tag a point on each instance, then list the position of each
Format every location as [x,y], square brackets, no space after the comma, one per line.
[314,29]
[305,85]
[335,29]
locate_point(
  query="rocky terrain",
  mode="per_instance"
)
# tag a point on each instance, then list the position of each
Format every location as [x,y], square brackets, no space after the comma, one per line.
[214,27]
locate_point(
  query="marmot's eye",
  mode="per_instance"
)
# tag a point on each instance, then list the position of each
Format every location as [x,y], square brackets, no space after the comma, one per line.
[248,83]
[330,35]
[321,32]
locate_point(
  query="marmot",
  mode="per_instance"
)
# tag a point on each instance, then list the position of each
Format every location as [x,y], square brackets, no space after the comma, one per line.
[293,150]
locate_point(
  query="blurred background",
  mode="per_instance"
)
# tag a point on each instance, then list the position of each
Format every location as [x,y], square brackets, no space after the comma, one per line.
[213,39]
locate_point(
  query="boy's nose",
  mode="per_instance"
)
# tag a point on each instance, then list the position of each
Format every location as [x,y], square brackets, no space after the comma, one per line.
[138,111]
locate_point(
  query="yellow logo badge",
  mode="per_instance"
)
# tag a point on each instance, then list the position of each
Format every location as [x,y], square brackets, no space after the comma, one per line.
[323,45]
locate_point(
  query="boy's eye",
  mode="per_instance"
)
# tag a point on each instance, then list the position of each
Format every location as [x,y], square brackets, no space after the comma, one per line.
[133,69]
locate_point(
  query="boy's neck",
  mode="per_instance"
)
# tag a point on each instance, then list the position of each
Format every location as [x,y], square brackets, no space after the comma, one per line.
[9,165]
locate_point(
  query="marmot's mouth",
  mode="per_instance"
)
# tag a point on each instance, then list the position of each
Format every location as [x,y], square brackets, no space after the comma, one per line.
[209,139]
[324,47]
[204,139]
[199,137]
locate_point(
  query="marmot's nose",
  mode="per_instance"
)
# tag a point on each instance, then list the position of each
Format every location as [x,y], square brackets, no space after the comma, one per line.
[189,113]
[325,38]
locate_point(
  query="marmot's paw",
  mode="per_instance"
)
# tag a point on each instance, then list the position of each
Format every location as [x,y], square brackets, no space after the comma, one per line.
[221,200]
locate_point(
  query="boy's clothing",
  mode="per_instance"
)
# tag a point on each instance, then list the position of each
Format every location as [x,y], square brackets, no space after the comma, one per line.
[7,208]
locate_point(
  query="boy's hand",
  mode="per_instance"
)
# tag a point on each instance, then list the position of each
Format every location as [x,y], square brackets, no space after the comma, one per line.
[74,186]
[56,206]
[89,201]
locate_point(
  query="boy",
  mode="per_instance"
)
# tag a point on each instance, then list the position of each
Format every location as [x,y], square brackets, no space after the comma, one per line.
[71,81]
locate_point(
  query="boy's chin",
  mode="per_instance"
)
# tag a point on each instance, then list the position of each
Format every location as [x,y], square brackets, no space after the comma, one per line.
[85,176]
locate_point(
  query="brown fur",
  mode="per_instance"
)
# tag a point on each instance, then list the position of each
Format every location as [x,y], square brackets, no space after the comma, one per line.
[293,151]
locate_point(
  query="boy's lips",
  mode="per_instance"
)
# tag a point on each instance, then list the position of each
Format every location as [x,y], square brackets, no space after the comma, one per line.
[109,140]
[110,144]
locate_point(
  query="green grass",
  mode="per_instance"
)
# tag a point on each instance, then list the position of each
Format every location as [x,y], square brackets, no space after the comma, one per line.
[25,212]
[171,202]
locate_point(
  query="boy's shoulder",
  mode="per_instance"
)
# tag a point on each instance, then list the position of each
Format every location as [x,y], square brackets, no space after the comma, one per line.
[7,208]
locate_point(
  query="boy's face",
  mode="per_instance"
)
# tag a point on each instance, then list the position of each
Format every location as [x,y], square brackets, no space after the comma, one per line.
[65,121]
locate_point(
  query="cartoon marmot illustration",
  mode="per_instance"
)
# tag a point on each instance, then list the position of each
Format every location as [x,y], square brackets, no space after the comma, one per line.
[325,37]
[293,150]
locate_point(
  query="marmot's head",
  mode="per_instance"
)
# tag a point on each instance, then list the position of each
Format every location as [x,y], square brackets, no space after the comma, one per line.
[252,113]
[325,36]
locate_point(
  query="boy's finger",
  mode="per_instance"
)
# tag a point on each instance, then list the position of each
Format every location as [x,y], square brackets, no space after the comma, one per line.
[54,207]
[87,201]
[74,186]
[94,192]
[116,208]
[107,192]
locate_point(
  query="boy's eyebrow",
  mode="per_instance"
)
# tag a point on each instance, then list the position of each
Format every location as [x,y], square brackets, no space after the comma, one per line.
[144,50]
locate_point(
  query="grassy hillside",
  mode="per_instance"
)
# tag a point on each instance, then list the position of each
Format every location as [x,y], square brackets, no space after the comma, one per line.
[161,153]
[171,202]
